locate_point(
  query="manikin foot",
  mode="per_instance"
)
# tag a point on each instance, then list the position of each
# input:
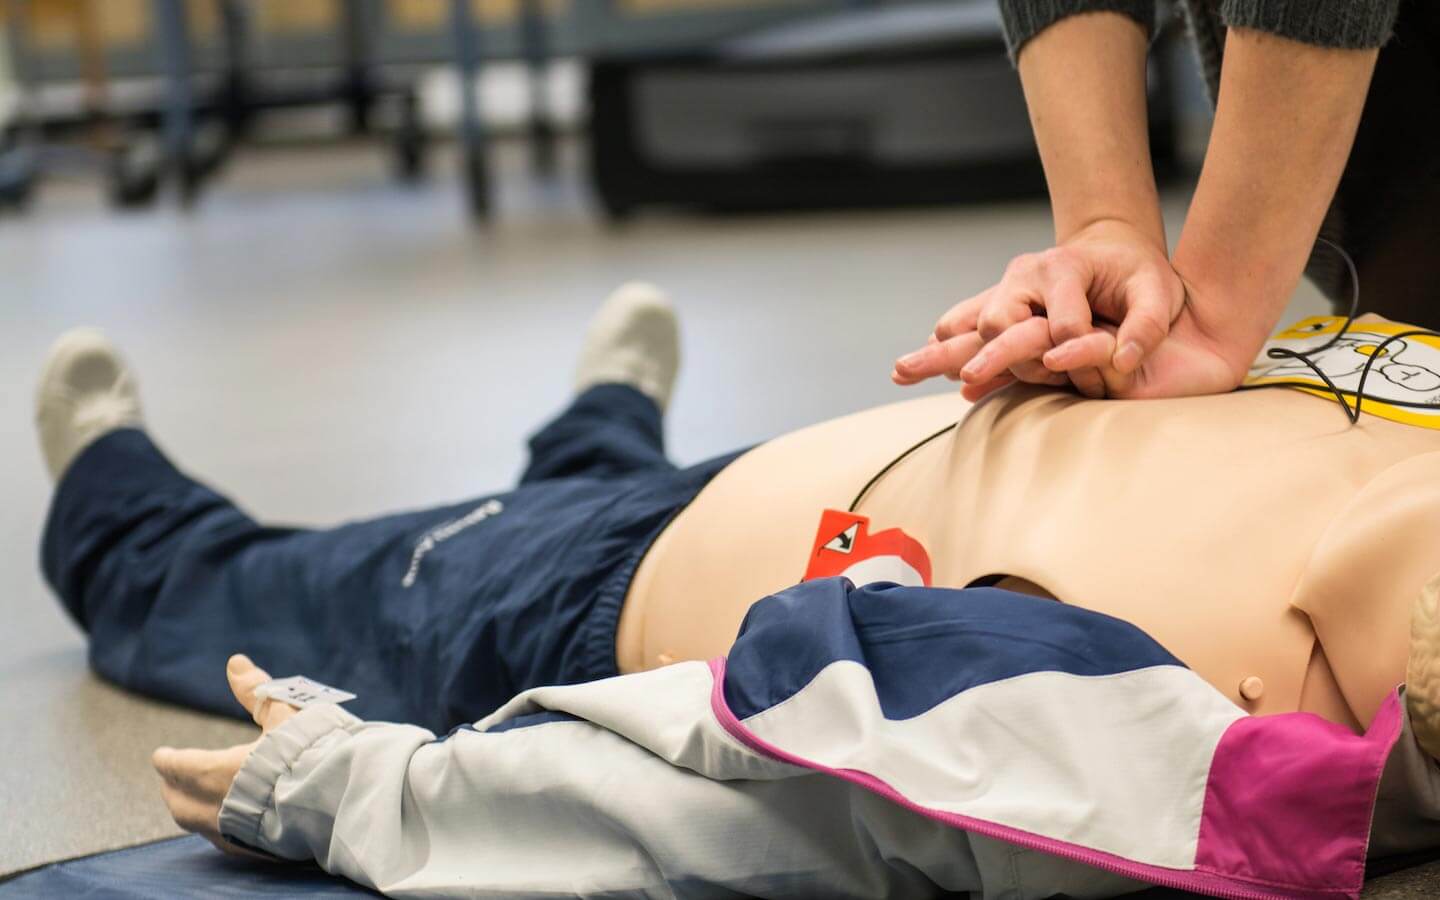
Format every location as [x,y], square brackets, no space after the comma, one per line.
[634,340]
[85,391]
[1422,675]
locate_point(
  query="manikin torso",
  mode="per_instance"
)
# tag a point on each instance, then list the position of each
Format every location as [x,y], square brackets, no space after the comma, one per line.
[1258,536]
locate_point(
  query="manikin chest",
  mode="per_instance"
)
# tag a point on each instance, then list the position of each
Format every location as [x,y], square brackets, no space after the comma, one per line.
[1197,525]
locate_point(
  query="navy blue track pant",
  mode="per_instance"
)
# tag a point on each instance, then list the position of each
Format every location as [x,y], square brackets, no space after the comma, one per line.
[433,617]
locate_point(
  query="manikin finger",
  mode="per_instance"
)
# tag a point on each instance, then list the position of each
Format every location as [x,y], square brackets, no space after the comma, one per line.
[1145,326]
[1028,340]
[190,770]
[245,677]
[163,761]
[215,770]
[192,814]
[183,808]
[938,358]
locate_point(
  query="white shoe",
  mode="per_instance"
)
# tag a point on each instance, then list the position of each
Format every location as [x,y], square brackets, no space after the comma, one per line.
[634,339]
[85,392]
[1422,675]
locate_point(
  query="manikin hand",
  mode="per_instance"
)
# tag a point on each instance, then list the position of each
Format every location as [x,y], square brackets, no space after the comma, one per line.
[1109,272]
[195,782]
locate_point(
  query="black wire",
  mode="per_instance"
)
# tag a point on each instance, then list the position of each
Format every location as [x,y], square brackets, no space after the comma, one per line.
[1351,412]
[896,461]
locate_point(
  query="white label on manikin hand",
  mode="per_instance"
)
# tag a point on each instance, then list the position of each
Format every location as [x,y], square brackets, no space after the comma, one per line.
[300,692]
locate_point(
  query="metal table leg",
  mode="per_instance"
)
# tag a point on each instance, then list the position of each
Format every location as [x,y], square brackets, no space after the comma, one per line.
[536,50]
[472,131]
[179,110]
[20,140]
[233,101]
[359,81]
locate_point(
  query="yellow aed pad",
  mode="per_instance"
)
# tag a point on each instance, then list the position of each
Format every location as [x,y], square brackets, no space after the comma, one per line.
[1404,380]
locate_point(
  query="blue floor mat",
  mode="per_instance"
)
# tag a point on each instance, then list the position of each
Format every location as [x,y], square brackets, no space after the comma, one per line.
[190,867]
[183,867]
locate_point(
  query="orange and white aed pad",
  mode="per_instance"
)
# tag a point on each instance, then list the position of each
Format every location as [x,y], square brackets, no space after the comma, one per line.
[845,546]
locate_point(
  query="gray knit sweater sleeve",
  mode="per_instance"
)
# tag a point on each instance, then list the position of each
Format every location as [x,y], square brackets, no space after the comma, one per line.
[1023,19]
[1327,23]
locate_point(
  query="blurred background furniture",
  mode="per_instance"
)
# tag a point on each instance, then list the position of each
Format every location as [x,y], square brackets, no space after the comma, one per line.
[17,158]
[164,90]
[709,103]
[882,106]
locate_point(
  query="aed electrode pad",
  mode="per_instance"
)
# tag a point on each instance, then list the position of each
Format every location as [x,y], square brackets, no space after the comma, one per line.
[1404,380]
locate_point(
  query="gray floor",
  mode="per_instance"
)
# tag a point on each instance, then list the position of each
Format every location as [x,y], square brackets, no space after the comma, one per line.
[323,344]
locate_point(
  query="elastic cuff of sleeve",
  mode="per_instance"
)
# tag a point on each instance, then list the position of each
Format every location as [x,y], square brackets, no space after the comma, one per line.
[1341,24]
[253,790]
[1023,19]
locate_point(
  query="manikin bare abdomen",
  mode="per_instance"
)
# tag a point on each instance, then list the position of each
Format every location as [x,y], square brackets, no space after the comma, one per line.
[1235,529]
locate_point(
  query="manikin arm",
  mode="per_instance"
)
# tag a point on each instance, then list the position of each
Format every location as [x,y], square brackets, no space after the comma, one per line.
[561,808]
[549,804]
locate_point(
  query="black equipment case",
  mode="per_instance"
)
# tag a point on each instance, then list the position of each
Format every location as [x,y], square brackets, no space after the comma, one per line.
[887,105]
